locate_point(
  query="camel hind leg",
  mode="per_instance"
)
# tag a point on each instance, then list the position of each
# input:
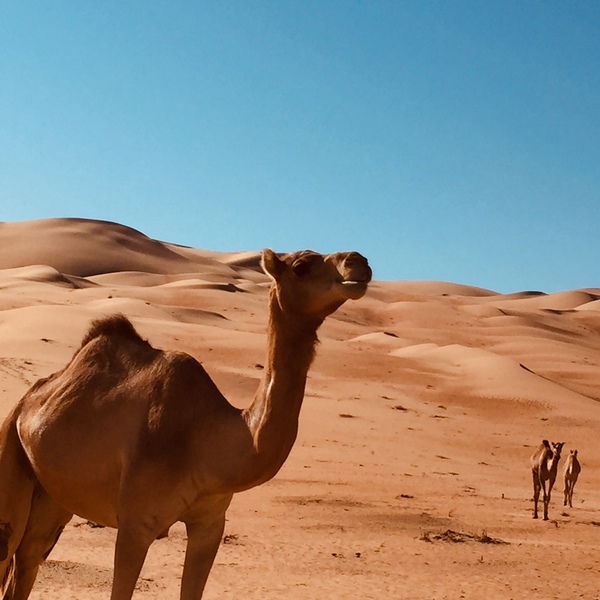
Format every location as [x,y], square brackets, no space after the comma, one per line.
[45,524]
[17,482]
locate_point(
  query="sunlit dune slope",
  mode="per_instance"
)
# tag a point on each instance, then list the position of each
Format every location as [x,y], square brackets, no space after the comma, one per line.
[423,405]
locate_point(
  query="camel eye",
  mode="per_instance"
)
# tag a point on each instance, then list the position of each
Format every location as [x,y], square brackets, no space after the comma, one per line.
[301,267]
[305,262]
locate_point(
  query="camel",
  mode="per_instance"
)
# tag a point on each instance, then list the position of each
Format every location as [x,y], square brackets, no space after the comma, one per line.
[136,438]
[571,473]
[544,464]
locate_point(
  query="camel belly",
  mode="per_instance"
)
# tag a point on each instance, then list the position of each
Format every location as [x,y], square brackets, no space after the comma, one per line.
[79,467]
[94,498]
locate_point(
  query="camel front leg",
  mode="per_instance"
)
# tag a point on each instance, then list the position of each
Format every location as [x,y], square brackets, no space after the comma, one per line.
[133,541]
[536,494]
[571,490]
[203,544]
[205,526]
[547,494]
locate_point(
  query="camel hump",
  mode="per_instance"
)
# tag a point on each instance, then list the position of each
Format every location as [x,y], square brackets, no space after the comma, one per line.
[113,326]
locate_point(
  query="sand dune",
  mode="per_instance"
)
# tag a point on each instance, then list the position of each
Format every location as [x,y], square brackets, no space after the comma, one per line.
[425,401]
[558,301]
[84,247]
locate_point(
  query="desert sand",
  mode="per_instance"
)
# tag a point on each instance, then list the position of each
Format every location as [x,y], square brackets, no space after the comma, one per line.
[410,478]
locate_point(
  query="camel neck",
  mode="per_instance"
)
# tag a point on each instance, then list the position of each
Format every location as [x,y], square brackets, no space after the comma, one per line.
[272,417]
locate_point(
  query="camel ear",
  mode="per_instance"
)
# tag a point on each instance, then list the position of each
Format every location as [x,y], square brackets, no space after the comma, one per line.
[271,264]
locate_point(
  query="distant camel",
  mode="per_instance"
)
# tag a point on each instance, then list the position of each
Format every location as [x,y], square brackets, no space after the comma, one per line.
[571,472]
[135,438]
[544,464]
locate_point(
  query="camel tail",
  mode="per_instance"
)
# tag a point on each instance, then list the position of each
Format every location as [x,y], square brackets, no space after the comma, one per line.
[17,482]
[7,578]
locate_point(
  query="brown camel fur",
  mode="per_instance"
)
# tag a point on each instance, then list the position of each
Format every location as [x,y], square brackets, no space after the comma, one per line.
[135,438]
[544,464]
[571,473]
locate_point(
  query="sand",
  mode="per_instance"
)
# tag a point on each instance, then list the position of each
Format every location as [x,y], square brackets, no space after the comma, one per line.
[424,403]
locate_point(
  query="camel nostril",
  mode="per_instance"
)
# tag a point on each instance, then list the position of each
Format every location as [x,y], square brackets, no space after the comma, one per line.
[358,267]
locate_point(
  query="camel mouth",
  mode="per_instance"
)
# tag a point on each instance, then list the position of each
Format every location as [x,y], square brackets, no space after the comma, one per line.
[354,288]
[354,275]
[353,282]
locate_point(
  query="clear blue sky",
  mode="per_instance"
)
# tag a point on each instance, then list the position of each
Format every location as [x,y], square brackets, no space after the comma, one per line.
[448,140]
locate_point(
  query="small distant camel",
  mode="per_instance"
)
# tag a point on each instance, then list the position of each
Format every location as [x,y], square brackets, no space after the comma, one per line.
[571,472]
[136,438]
[544,464]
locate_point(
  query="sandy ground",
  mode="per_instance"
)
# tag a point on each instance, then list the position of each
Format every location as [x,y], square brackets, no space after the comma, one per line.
[410,478]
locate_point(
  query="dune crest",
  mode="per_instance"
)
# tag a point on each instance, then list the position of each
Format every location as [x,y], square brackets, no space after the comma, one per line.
[85,247]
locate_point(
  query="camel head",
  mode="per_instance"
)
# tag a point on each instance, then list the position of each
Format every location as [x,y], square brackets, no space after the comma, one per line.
[556,450]
[311,286]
